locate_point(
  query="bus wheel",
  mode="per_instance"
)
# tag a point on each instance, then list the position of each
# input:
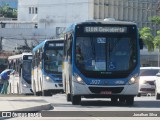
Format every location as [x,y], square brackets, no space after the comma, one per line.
[139,95]
[34,88]
[68,96]
[10,90]
[129,100]
[157,96]
[76,99]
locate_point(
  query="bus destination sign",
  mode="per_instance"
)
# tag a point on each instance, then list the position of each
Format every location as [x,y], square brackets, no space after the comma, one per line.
[98,29]
[56,44]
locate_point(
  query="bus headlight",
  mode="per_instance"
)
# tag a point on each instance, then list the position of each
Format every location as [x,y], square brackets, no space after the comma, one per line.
[47,78]
[78,79]
[133,80]
[24,85]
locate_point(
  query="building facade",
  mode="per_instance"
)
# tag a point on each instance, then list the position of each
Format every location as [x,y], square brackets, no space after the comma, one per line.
[48,18]
[56,14]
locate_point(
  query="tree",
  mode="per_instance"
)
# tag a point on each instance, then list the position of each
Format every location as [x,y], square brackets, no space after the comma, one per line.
[155,19]
[7,11]
[157,40]
[147,37]
[157,43]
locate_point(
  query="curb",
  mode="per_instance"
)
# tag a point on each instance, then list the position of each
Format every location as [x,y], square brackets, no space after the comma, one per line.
[37,108]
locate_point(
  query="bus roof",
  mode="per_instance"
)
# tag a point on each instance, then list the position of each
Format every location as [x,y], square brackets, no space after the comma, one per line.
[18,56]
[94,22]
[42,43]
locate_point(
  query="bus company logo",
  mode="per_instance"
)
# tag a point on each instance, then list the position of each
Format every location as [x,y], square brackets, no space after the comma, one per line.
[6,114]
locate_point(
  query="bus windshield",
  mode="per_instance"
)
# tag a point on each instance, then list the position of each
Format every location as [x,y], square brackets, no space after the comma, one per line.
[105,53]
[53,61]
[26,68]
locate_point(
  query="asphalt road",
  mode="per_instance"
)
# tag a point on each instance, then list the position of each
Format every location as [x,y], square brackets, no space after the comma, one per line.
[146,108]
[144,103]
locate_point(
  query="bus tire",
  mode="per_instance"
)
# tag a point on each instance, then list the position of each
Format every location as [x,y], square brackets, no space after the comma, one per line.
[65,85]
[76,99]
[68,96]
[157,96]
[34,88]
[139,95]
[129,100]
[10,90]
[41,91]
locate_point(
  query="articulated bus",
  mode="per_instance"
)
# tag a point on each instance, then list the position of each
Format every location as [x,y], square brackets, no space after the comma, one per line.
[47,67]
[20,82]
[101,60]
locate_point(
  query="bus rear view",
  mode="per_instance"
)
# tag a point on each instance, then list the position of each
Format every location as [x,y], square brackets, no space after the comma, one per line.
[103,59]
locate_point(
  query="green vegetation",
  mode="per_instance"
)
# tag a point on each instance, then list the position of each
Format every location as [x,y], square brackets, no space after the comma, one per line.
[151,42]
[157,40]
[7,11]
[155,19]
[147,38]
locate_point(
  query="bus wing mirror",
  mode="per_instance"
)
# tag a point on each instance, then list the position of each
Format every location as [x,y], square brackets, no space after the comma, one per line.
[141,43]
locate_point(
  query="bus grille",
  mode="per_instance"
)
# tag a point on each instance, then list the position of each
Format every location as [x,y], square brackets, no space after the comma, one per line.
[100,89]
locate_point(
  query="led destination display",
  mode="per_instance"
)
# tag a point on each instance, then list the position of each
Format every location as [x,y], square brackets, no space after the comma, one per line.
[98,29]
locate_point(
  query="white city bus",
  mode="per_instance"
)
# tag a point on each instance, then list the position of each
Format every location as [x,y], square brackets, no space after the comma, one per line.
[101,59]
[47,67]
[20,81]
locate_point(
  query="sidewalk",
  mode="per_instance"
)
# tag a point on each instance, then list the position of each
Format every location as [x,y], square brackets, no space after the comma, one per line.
[23,103]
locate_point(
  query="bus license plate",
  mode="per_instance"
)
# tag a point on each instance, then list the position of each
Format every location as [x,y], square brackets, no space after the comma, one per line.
[106,92]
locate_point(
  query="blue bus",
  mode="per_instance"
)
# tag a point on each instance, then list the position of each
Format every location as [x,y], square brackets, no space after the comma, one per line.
[101,60]
[47,67]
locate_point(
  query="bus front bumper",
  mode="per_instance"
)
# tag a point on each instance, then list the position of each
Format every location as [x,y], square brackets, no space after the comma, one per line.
[50,85]
[99,90]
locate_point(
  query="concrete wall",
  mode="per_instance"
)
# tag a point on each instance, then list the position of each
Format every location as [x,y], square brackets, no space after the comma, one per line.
[55,14]
[23,10]
[61,13]
[15,33]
